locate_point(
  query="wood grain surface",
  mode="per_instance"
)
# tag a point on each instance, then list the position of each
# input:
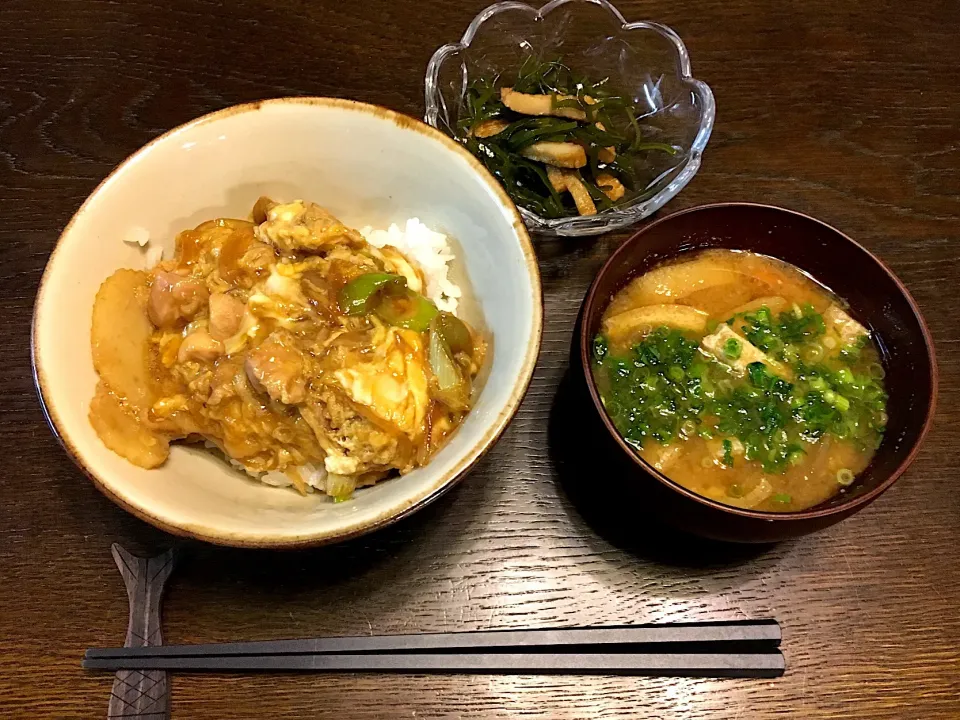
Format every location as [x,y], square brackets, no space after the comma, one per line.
[849,111]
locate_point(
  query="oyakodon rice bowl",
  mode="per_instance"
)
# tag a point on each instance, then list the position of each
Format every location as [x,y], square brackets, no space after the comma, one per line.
[308,355]
[369,168]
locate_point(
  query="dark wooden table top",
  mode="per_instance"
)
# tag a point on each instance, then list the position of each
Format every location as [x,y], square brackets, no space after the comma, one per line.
[845,110]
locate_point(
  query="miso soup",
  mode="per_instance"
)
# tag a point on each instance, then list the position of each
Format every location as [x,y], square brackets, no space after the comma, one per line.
[741,379]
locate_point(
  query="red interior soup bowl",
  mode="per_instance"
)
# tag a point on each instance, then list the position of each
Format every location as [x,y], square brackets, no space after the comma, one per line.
[877,300]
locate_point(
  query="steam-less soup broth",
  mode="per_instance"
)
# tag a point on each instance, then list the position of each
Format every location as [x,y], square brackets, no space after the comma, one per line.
[741,379]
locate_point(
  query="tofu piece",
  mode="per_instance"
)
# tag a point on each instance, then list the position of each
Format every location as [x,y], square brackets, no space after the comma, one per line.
[712,345]
[849,330]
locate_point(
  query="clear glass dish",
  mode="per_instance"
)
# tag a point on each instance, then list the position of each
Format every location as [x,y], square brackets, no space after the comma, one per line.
[646,60]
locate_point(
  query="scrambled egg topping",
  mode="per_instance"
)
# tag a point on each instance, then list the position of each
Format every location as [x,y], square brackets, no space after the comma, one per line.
[241,340]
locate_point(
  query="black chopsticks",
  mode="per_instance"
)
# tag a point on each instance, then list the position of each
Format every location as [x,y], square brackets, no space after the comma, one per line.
[717,649]
[753,665]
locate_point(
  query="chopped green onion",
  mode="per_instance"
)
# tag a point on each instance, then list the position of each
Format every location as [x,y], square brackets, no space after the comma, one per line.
[876,371]
[845,477]
[782,498]
[732,349]
[844,376]
[727,453]
[814,353]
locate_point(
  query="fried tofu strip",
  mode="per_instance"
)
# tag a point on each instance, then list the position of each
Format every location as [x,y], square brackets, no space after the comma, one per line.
[557,178]
[631,325]
[606,154]
[540,104]
[581,196]
[610,186]
[489,128]
[569,180]
[559,154]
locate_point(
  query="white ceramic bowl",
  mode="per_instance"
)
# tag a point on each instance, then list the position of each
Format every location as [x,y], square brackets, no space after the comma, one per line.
[369,166]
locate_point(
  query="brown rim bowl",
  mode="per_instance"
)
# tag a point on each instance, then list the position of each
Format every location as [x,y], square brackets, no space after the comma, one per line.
[370,166]
[877,299]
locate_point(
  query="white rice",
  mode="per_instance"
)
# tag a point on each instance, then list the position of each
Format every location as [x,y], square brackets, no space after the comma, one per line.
[428,249]
[313,475]
[151,253]
[137,236]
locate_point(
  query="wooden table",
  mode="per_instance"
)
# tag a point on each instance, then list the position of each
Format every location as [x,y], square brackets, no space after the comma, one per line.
[848,111]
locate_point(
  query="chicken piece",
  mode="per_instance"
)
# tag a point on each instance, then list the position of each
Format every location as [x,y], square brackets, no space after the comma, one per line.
[559,154]
[228,375]
[226,313]
[353,443]
[539,104]
[260,209]
[175,298]
[345,264]
[715,346]
[243,259]
[610,186]
[199,346]
[489,128]
[306,226]
[849,330]
[278,368]
[393,383]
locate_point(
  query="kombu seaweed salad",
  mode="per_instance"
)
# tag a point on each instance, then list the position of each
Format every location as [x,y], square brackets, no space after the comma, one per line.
[554,131]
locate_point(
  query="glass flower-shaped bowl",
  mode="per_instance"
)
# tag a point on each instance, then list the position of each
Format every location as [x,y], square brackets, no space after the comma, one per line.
[644,61]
